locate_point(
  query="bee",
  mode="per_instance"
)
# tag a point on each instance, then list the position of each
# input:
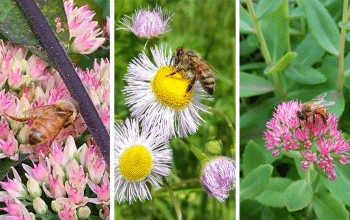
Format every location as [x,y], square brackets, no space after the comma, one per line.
[48,121]
[191,60]
[317,106]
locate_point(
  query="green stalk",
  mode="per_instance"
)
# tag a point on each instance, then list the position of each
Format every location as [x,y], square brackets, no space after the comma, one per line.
[342,46]
[264,49]
[227,120]
[173,197]
[202,157]
[307,175]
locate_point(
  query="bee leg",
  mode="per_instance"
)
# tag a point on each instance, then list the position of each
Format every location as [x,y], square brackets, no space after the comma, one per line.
[75,129]
[177,70]
[190,86]
[19,119]
[323,118]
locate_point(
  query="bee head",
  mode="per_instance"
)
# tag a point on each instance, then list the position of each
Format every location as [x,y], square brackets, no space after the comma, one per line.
[300,115]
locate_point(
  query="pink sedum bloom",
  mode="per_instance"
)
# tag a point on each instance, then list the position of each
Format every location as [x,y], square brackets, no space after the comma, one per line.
[286,131]
[83,29]
[146,24]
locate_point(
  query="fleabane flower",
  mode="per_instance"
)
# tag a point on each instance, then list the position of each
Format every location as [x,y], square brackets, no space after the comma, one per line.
[160,99]
[218,177]
[141,157]
[286,131]
[146,24]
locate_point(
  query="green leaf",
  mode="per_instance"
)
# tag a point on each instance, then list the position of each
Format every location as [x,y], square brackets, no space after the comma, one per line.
[273,193]
[327,206]
[309,52]
[16,28]
[338,108]
[304,75]
[340,187]
[246,25]
[251,85]
[276,34]
[6,164]
[298,195]
[256,181]
[266,7]
[252,66]
[322,26]
[253,157]
[282,63]
[253,115]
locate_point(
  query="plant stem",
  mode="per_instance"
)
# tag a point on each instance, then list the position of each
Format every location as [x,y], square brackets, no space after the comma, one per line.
[342,46]
[202,157]
[307,175]
[278,85]
[174,185]
[173,197]
[227,120]
[264,49]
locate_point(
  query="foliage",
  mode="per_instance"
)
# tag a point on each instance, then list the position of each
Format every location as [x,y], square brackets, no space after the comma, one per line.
[208,28]
[270,73]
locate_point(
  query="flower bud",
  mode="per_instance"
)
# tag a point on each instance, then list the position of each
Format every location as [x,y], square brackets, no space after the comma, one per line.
[56,206]
[33,188]
[213,147]
[84,212]
[39,206]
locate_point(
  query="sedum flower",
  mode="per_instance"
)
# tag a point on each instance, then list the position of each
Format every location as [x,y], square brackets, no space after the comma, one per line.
[159,99]
[141,157]
[146,24]
[286,131]
[218,177]
[83,30]
[65,185]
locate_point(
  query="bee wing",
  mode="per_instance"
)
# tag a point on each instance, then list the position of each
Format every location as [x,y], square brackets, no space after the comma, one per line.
[318,99]
[199,60]
[43,112]
[327,103]
[37,111]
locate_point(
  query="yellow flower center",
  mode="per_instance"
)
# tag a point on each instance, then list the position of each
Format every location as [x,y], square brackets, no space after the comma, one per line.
[171,90]
[136,163]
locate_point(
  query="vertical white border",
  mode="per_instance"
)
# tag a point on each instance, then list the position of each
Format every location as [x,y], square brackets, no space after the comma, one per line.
[111,83]
[237,111]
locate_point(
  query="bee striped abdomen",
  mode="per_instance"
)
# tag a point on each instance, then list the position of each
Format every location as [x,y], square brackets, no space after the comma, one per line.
[208,83]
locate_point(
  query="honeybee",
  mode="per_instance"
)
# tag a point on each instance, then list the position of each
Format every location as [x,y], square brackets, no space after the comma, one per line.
[48,121]
[317,106]
[191,60]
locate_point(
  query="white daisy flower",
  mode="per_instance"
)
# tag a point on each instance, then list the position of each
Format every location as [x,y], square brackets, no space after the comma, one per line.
[159,99]
[146,24]
[141,157]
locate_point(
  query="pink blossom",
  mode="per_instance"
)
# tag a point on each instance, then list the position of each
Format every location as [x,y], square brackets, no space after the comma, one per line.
[68,213]
[146,24]
[286,131]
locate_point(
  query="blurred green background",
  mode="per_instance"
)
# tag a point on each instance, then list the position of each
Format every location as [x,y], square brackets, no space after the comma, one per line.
[209,28]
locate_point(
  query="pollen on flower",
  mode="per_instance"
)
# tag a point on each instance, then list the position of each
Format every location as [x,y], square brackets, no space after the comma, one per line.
[136,163]
[171,90]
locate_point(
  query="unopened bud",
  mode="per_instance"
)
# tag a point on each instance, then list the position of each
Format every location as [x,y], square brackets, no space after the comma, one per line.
[56,206]
[39,206]
[84,212]
[33,188]
[214,147]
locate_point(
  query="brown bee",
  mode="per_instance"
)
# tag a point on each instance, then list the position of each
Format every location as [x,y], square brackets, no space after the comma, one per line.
[190,60]
[317,106]
[48,121]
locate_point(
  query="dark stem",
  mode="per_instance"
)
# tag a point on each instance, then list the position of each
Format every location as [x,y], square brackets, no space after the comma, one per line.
[59,57]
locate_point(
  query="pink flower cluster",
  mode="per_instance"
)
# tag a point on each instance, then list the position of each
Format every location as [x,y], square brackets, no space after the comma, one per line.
[40,86]
[63,176]
[285,130]
[82,28]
